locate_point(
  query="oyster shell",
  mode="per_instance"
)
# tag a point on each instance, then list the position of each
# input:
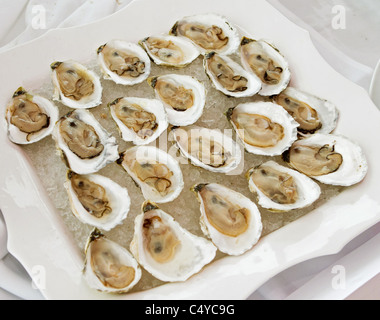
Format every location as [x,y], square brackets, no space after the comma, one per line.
[85,145]
[265,61]
[139,120]
[97,200]
[229,77]
[109,267]
[170,50]
[30,118]
[330,159]
[264,128]
[124,62]
[209,32]
[229,219]
[184,97]
[281,189]
[312,113]
[157,173]
[76,86]
[165,249]
[209,149]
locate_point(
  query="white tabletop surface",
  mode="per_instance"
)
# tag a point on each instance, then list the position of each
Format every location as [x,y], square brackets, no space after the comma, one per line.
[346,33]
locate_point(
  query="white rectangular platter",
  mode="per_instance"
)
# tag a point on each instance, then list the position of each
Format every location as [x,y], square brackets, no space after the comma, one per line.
[40,240]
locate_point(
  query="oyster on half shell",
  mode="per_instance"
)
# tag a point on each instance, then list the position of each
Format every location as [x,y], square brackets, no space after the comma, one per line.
[139,120]
[209,32]
[97,200]
[229,219]
[167,250]
[281,189]
[156,172]
[30,118]
[85,145]
[123,62]
[183,96]
[76,86]
[229,77]
[330,159]
[312,113]
[264,128]
[265,61]
[169,50]
[209,149]
[109,267]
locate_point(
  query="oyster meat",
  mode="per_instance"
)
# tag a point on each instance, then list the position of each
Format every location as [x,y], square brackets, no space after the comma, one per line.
[169,50]
[157,173]
[209,149]
[86,146]
[123,62]
[209,32]
[139,120]
[281,189]
[97,200]
[264,128]
[30,118]
[330,159]
[76,86]
[109,267]
[229,77]
[184,97]
[266,62]
[167,250]
[229,219]
[312,113]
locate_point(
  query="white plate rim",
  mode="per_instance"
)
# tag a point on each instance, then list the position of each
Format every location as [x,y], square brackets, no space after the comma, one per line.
[46,249]
[374,89]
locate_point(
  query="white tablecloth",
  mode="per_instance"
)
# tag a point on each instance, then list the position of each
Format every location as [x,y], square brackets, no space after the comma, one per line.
[352,51]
